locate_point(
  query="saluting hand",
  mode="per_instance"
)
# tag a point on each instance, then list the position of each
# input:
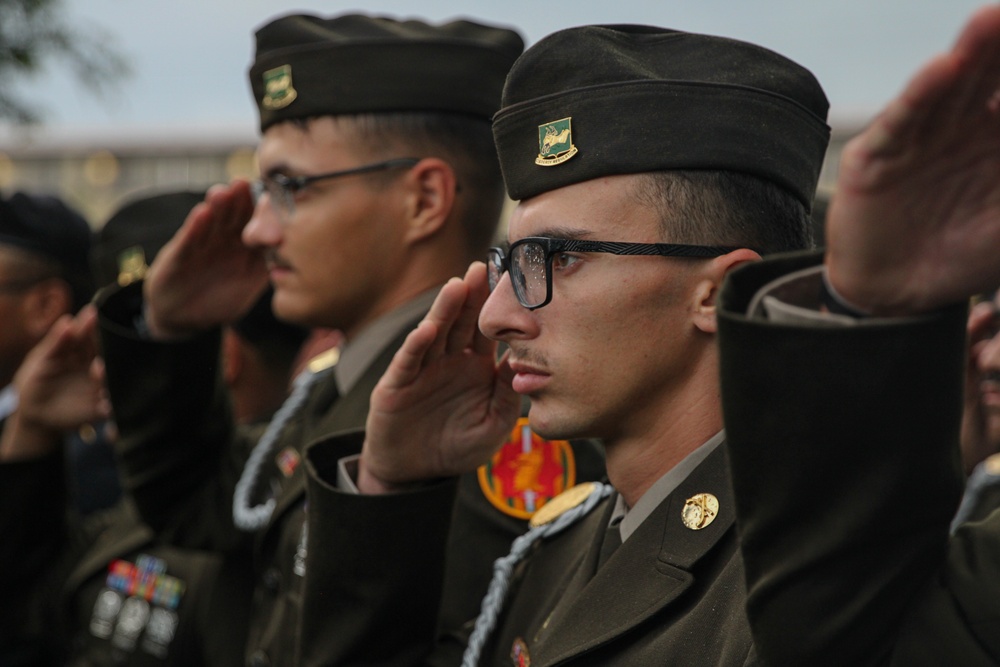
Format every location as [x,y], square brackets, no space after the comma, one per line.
[57,390]
[444,404]
[205,276]
[915,222]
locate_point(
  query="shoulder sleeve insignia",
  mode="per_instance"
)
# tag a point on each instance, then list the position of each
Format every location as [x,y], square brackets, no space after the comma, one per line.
[527,472]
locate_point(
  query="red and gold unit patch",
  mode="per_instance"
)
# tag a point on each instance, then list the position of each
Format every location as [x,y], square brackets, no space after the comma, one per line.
[527,472]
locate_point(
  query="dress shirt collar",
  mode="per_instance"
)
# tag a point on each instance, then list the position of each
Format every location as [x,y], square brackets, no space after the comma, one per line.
[629,519]
[358,354]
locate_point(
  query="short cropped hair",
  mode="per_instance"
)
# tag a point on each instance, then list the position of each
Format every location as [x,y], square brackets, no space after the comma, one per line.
[463,141]
[728,208]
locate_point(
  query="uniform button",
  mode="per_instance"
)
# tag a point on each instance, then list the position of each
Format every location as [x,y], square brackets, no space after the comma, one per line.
[272,579]
[259,659]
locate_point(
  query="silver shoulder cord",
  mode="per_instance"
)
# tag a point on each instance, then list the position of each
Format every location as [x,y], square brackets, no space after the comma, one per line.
[249,518]
[502,568]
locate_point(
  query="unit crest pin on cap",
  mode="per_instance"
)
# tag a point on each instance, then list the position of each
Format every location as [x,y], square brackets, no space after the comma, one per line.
[278,89]
[555,142]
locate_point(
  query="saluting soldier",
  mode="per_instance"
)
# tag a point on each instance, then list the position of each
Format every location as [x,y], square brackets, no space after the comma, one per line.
[101,590]
[379,180]
[846,496]
[649,163]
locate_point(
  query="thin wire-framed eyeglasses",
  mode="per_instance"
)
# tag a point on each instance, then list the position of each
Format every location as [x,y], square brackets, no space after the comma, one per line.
[529,261]
[282,188]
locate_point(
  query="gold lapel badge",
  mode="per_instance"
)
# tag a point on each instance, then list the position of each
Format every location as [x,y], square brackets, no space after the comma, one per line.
[278,89]
[555,142]
[700,510]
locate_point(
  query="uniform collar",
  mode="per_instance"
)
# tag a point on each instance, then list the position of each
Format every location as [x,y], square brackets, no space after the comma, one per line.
[357,355]
[628,519]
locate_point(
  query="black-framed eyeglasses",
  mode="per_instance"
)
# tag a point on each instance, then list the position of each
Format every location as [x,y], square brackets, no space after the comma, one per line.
[529,261]
[282,188]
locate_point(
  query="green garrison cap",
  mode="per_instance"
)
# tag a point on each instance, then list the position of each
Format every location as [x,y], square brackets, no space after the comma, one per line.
[127,243]
[310,66]
[619,99]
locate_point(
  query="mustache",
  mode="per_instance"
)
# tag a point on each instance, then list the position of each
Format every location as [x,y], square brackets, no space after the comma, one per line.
[272,259]
[528,357]
[991,376]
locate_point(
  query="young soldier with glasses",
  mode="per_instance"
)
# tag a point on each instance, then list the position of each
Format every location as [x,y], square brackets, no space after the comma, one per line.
[379,180]
[648,163]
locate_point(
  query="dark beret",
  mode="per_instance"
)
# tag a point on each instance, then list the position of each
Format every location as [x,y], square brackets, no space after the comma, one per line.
[127,243]
[310,66]
[619,99]
[49,228]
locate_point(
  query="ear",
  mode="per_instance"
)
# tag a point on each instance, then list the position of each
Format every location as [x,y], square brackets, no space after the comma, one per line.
[45,303]
[707,289]
[431,186]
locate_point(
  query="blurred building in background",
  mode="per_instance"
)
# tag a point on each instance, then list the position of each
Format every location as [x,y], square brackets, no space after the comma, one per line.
[95,172]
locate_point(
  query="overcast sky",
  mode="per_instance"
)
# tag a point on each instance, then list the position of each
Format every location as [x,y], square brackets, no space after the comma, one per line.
[190,56]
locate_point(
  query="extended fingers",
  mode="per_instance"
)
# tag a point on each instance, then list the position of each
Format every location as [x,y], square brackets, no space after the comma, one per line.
[228,209]
[445,312]
[465,331]
[409,358]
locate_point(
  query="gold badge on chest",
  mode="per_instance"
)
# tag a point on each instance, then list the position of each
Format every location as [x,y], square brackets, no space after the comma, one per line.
[700,510]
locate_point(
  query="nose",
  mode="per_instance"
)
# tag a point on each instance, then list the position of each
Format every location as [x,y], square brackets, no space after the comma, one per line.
[264,230]
[503,318]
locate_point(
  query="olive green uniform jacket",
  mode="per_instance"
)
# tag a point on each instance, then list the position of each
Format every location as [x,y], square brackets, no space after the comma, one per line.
[669,595]
[181,460]
[74,592]
[844,448]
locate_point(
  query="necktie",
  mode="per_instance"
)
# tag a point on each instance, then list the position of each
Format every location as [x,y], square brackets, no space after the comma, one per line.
[612,540]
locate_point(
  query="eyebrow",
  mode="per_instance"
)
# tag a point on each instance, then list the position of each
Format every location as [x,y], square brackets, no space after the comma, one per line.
[282,168]
[561,232]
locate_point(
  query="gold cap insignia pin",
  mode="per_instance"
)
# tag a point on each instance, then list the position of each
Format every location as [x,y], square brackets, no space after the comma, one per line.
[131,265]
[278,90]
[700,510]
[555,142]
